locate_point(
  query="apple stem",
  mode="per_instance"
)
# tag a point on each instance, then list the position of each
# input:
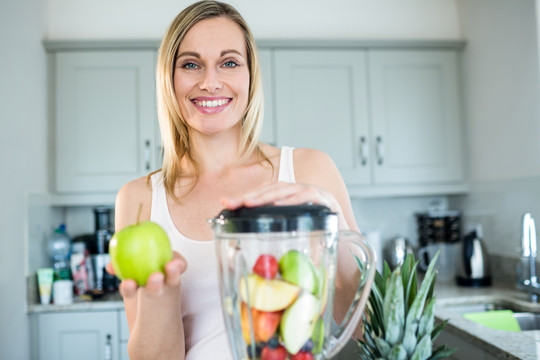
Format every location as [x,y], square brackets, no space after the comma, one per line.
[139,213]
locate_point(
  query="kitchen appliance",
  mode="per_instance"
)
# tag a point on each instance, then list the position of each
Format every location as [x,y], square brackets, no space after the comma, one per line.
[102,280]
[447,262]
[304,241]
[438,226]
[396,250]
[474,268]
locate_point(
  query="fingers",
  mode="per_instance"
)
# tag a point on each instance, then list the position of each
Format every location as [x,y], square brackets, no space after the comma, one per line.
[157,281]
[109,269]
[128,288]
[280,193]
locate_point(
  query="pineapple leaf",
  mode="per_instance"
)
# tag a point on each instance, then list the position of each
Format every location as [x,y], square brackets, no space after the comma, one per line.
[411,287]
[427,319]
[437,330]
[387,272]
[423,350]
[397,353]
[442,352]
[415,311]
[394,309]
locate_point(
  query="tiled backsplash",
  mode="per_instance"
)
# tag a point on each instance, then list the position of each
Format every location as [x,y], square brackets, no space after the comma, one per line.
[499,207]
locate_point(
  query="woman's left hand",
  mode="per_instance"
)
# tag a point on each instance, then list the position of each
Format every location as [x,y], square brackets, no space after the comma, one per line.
[283,193]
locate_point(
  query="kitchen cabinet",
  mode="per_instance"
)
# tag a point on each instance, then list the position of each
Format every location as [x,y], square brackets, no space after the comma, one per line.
[78,335]
[390,119]
[267,132]
[415,117]
[321,102]
[105,124]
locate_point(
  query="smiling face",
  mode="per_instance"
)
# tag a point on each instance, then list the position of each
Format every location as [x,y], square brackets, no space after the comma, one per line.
[211,76]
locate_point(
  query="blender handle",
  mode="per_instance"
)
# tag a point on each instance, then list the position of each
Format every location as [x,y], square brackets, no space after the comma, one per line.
[339,337]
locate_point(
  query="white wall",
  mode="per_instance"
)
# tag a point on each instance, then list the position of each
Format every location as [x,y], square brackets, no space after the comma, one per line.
[502,93]
[148,19]
[23,157]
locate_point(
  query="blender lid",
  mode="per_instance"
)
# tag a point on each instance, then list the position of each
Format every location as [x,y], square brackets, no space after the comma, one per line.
[304,217]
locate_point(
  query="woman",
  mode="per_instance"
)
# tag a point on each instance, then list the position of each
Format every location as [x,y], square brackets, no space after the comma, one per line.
[210,108]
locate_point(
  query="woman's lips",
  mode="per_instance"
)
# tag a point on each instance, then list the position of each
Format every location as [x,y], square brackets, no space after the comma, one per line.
[211,105]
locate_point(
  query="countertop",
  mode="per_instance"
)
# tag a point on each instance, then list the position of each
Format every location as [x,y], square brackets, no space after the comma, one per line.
[498,343]
[523,345]
[109,302]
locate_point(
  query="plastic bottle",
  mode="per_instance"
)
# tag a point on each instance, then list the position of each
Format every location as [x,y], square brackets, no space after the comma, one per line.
[59,252]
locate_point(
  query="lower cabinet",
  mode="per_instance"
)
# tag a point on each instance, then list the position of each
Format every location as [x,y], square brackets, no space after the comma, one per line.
[80,335]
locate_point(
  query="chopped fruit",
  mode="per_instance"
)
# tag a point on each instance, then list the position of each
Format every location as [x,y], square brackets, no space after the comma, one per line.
[299,321]
[265,323]
[308,346]
[278,353]
[266,266]
[267,295]
[298,269]
[302,355]
[318,337]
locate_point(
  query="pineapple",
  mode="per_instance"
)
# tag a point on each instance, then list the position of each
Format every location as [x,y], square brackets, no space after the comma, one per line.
[399,321]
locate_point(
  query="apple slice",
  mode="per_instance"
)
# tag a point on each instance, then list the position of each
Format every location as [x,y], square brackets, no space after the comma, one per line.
[298,322]
[265,323]
[298,269]
[267,295]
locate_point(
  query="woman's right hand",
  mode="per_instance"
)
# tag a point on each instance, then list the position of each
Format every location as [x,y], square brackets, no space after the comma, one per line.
[156,281]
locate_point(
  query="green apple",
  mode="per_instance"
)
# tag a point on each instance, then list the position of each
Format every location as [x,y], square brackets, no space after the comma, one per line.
[267,295]
[298,322]
[298,269]
[139,250]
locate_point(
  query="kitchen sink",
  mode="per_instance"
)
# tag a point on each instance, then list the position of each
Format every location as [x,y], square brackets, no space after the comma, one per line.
[526,313]
[527,321]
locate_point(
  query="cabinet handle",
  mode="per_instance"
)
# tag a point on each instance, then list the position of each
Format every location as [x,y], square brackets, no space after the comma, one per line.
[364,150]
[108,347]
[147,154]
[380,150]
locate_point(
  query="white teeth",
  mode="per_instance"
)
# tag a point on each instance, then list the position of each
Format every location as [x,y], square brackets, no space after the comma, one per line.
[212,103]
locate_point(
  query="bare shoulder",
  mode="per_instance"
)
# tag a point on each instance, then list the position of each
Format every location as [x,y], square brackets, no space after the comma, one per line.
[133,202]
[313,166]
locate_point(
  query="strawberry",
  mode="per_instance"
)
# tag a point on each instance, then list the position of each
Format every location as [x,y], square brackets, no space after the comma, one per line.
[278,353]
[266,266]
[302,355]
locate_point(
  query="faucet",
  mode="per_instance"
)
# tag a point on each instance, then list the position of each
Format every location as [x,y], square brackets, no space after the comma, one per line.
[527,279]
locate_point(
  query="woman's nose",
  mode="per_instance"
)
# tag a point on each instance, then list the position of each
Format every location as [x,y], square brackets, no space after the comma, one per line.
[210,81]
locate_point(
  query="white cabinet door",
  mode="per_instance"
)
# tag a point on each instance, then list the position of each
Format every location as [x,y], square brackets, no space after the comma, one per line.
[105,119]
[321,102]
[267,133]
[77,335]
[415,117]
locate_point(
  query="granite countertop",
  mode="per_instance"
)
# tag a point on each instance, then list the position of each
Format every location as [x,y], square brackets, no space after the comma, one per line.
[109,302]
[498,343]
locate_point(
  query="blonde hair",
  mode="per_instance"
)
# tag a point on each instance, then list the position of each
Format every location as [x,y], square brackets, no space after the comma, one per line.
[173,127]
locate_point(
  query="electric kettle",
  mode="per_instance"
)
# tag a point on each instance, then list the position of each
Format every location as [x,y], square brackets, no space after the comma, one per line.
[277,273]
[474,268]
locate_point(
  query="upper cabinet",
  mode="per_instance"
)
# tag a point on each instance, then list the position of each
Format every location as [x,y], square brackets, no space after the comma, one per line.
[105,126]
[321,102]
[388,115]
[415,117]
[390,119]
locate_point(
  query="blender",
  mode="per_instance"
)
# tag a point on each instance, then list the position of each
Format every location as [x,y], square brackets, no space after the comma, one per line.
[277,270]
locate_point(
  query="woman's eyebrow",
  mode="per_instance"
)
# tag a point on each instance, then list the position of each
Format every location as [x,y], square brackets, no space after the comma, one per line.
[228,51]
[189,53]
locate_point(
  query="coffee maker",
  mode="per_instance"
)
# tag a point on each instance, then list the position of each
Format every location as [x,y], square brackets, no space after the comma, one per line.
[103,281]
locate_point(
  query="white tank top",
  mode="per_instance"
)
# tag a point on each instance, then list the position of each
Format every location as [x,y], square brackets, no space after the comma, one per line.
[204,327]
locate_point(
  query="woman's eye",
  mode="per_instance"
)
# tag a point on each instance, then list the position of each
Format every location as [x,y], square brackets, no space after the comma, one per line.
[230,64]
[190,65]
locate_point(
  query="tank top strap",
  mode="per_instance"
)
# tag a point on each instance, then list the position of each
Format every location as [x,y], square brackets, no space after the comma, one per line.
[286,166]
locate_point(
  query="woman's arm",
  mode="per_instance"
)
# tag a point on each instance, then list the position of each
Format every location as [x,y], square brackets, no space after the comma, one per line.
[153,312]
